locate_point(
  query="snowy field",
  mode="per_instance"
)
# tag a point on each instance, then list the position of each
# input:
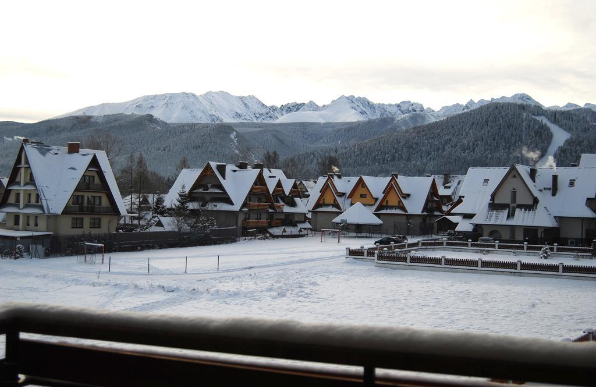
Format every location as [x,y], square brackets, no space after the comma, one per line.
[306,280]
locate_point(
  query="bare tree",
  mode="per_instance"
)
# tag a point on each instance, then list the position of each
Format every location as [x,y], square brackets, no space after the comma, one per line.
[103,140]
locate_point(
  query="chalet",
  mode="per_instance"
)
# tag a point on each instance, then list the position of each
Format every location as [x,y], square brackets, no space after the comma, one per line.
[403,204]
[243,197]
[478,184]
[60,191]
[542,205]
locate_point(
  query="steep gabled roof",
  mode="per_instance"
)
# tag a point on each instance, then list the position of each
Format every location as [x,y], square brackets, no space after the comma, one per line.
[358,214]
[186,178]
[477,188]
[418,189]
[58,172]
[340,186]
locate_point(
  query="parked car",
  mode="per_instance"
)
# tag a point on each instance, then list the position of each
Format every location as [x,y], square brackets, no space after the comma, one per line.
[486,240]
[391,239]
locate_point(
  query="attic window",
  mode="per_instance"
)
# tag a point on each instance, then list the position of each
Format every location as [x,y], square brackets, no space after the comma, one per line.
[363,196]
[572,182]
[514,176]
[485,182]
[363,185]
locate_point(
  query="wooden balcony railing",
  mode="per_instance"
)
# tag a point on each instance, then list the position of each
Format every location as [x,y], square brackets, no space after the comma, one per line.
[258,189]
[257,206]
[90,187]
[89,210]
[318,349]
[255,223]
[278,191]
[279,206]
[294,192]
[276,222]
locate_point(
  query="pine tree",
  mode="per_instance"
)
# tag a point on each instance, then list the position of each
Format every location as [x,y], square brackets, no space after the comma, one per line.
[159,207]
[181,208]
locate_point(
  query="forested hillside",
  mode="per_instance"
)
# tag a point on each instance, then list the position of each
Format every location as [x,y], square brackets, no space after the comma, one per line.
[493,135]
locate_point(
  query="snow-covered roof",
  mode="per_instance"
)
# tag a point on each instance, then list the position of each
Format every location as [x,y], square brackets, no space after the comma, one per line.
[452,218]
[477,187]
[418,188]
[537,216]
[357,214]
[186,178]
[575,186]
[165,223]
[58,172]
[452,187]
[587,160]
[464,225]
[343,186]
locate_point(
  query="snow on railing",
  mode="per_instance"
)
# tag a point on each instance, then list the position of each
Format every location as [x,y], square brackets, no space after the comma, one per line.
[320,348]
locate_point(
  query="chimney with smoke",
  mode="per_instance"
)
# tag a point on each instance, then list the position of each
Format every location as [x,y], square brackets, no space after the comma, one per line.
[533,172]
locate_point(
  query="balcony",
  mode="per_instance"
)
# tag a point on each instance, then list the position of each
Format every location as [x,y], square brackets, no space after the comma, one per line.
[320,348]
[95,187]
[276,222]
[278,191]
[258,189]
[279,206]
[89,210]
[257,206]
[255,223]
[294,192]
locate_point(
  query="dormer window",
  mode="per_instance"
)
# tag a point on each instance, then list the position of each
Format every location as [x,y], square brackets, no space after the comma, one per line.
[485,182]
[572,182]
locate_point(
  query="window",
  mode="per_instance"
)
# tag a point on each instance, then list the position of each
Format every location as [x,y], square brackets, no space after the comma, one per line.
[28,220]
[572,182]
[512,233]
[17,219]
[17,197]
[514,176]
[36,221]
[363,185]
[36,198]
[95,223]
[88,179]
[78,200]
[94,200]
[29,197]
[363,195]
[76,223]
[31,177]
[485,182]
[513,196]
[386,202]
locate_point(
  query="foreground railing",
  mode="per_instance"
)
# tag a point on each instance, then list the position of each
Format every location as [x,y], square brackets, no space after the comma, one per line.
[368,347]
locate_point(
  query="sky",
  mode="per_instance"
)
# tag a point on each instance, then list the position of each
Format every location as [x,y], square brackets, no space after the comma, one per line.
[59,56]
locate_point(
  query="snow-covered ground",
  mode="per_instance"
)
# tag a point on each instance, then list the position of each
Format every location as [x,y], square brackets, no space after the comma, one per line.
[306,280]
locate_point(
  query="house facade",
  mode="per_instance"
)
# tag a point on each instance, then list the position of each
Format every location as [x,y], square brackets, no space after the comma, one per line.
[404,204]
[248,198]
[61,191]
[542,205]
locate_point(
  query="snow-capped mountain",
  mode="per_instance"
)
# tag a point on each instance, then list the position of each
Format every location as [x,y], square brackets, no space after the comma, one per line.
[571,106]
[221,106]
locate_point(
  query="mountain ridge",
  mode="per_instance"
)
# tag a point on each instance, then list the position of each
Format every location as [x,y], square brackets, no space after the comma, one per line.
[223,107]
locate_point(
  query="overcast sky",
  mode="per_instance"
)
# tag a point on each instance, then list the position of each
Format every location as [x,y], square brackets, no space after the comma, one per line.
[59,56]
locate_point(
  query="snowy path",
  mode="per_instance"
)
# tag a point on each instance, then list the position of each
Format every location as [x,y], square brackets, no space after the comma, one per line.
[306,280]
[559,137]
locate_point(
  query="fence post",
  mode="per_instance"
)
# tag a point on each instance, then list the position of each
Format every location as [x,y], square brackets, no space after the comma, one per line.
[347,252]
[376,256]
[496,245]
[392,246]
[9,367]
[110,264]
[480,263]
[555,245]
[560,268]
[444,242]
[420,243]
[408,258]
[525,246]
[147,265]
[469,243]
[186,265]
[518,265]
[442,260]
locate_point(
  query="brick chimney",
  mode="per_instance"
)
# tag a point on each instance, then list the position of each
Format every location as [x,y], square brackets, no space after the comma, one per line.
[555,186]
[533,174]
[74,147]
[25,141]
